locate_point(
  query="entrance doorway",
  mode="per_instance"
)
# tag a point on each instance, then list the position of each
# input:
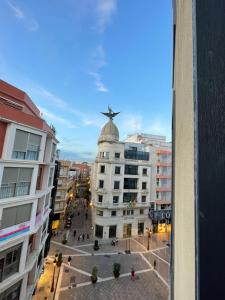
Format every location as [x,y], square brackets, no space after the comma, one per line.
[98,231]
[127,229]
[140,228]
[112,231]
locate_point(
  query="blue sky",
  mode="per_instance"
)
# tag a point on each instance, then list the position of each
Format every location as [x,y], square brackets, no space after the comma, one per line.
[74,57]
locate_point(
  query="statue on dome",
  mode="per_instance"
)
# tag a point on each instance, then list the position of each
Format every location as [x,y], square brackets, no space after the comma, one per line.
[110,114]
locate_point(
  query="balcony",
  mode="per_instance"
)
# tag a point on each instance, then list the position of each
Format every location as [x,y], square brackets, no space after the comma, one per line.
[162,201]
[163,164]
[163,189]
[161,151]
[14,189]
[163,176]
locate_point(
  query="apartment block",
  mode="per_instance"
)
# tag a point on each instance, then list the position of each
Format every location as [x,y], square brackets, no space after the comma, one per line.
[27,163]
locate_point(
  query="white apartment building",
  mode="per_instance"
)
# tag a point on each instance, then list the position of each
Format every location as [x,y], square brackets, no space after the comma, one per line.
[27,156]
[120,184]
[160,182]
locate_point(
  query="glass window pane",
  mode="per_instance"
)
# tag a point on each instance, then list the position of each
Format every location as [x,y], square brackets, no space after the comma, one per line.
[34,139]
[23,213]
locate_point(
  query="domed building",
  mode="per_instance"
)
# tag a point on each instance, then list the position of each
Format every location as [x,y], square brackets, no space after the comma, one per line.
[120,185]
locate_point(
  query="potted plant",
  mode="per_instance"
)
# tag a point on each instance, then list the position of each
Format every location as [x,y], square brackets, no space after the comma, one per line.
[64,240]
[94,275]
[116,270]
[59,260]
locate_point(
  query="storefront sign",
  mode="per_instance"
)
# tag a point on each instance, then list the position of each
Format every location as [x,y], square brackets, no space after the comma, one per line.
[157,215]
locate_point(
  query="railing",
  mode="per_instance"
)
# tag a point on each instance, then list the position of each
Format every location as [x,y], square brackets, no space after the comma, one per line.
[14,189]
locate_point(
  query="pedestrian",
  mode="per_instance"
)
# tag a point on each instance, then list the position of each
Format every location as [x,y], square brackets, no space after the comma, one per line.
[88,236]
[86,215]
[132,274]
[78,213]
[69,260]
[83,236]
[74,233]
[78,238]
[154,264]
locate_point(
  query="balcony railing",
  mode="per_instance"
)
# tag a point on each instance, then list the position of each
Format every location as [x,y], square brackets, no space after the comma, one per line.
[14,189]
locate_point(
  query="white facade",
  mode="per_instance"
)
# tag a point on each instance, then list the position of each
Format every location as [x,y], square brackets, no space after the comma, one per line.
[161,175]
[120,184]
[26,177]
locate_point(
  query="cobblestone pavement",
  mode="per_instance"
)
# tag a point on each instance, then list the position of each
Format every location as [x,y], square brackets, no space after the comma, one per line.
[73,281]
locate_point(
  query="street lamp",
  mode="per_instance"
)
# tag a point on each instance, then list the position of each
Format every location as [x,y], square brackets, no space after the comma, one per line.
[53,277]
[148,230]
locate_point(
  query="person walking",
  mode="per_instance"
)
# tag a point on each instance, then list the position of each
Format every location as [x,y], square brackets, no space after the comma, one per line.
[154,264]
[78,238]
[86,215]
[83,236]
[74,233]
[78,213]
[88,236]
[69,260]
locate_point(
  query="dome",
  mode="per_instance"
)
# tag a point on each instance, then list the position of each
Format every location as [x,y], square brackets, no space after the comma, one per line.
[109,133]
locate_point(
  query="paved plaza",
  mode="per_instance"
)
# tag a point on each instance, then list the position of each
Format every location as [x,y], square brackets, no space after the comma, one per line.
[73,281]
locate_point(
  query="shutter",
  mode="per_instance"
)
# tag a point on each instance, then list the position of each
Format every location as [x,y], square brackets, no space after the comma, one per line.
[8,217]
[25,175]
[10,175]
[20,143]
[23,213]
[34,139]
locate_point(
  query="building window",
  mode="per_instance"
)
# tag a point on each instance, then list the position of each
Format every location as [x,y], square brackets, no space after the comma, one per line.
[163,206]
[124,213]
[53,152]
[129,197]
[50,177]
[100,198]
[157,195]
[12,293]
[128,212]
[113,213]
[15,215]
[115,199]
[157,169]
[98,231]
[117,170]
[144,185]
[117,155]
[9,261]
[102,169]
[15,182]
[144,171]
[116,185]
[157,181]
[131,170]
[104,155]
[101,184]
[143,198]
[26,145]
[130,183]
[152,205]
[141,211]
[99,213]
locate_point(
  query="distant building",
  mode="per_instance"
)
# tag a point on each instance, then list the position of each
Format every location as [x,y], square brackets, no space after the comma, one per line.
[120,185]
[160,180]
[27,164]
[61,194]
[81,170]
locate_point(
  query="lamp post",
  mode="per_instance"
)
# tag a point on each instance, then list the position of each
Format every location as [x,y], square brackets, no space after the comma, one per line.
[53,277]
[148,230]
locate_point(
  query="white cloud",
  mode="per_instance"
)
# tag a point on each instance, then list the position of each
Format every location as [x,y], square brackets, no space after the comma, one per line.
[105,10]
[98,62]
[53,117]
[29,22]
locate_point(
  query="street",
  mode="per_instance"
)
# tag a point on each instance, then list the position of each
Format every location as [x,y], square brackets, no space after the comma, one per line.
[73,281]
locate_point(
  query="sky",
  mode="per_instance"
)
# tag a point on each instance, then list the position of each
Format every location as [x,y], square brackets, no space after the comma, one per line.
[76,57]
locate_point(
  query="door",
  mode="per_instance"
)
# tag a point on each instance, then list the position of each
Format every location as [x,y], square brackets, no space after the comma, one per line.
[112,231]
[127,229]
[140,228]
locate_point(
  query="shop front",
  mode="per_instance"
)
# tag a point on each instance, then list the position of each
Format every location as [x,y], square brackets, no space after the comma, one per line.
[161,220]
